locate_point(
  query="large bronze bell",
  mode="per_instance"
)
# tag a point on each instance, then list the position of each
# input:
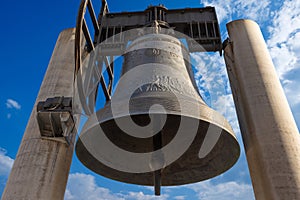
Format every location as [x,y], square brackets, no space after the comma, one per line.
[181,139]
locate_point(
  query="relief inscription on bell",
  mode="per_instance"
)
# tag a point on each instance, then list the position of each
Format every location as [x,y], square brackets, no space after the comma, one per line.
[161,83]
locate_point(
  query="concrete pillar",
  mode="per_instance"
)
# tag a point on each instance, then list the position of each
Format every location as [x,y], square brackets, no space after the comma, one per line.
[270,134]
[41,167]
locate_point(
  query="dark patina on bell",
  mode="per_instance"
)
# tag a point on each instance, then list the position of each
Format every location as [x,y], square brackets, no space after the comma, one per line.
[158,93]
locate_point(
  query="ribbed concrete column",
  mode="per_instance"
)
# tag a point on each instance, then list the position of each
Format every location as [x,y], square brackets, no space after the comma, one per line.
[270,134]
[41,167]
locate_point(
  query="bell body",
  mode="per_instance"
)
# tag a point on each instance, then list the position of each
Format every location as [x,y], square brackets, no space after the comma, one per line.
[157,121]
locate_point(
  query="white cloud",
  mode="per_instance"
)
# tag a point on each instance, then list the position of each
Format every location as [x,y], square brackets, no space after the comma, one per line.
[285,23]
[211,76]
[5,166]
[251,9]
[284,36]
[284,46]
[206,190]
[212,80]
[179,198]
[83,186]
[10,103]
[225,106]
[5,163]
[284,59]
[142,196]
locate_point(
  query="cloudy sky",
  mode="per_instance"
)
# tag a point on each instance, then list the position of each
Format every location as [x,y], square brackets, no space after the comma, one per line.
[28,35]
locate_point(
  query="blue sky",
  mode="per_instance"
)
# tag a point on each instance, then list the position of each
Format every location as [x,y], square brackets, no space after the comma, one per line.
[28,35]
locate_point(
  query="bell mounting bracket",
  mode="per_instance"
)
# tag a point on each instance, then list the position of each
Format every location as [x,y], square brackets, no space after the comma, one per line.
[55,119]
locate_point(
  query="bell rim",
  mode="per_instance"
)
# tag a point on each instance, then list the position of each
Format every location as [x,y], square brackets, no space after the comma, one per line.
[107,173]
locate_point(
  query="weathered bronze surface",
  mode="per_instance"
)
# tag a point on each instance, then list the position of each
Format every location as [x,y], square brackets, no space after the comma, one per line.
[168,81]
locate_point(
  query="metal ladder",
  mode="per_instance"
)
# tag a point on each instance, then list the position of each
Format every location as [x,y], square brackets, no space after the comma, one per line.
[85,45]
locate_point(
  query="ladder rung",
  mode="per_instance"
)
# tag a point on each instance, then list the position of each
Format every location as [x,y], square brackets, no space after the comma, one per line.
[93,17]
[109,69]
[104,88]
[111,74]
[87,36]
